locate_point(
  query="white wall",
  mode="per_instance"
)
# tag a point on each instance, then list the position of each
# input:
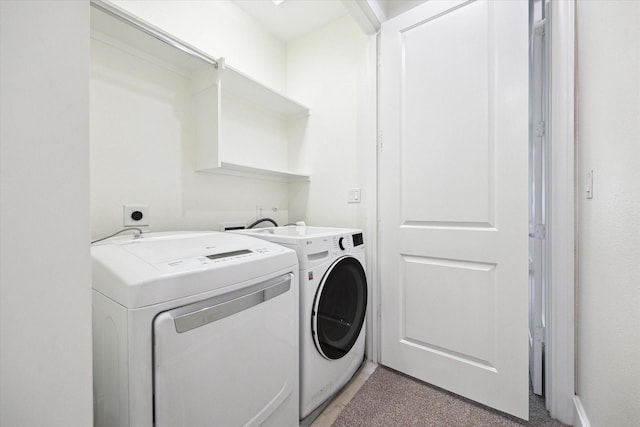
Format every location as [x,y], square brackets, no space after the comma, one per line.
[219,28]
[142,145]
[142,139]
[45,282]
[143,152]
[608,142]
[330,72]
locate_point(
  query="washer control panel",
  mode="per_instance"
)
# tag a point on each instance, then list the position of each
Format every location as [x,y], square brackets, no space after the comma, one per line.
[347,242]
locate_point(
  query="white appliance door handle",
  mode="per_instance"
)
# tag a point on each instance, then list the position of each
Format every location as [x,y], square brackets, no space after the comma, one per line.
[216,308]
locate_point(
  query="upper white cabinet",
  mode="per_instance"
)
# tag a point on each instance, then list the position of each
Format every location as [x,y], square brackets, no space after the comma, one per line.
[241,126]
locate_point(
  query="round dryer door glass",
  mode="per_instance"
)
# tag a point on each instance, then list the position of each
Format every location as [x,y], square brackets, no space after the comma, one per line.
[339,308]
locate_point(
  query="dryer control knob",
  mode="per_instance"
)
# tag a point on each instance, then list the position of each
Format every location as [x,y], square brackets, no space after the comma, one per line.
[342,243]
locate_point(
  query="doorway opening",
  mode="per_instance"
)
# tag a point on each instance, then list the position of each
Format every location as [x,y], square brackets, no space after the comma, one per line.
[538,189]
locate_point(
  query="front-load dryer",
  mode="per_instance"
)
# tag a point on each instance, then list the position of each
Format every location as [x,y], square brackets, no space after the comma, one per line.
[333,301]
[195,329]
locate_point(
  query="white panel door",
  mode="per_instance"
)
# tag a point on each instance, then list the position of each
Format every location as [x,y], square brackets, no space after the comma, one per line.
[454,198]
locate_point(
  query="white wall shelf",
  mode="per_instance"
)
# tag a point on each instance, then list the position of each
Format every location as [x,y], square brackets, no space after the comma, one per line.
[251,172]
[248,89]
[242,127]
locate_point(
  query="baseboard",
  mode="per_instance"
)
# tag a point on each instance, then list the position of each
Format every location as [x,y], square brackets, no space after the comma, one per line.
[579,416]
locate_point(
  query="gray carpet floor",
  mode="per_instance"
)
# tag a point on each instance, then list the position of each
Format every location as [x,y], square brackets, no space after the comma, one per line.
[389,398]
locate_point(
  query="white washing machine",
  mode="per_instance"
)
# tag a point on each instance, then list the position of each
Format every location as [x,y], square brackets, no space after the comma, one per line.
[194,329]
[333,300]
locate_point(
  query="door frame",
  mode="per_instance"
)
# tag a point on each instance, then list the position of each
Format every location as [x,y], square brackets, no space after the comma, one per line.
[560,334]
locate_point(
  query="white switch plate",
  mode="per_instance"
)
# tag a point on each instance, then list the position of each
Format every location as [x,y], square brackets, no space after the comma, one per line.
[353,195]
[128,212]
[589,185]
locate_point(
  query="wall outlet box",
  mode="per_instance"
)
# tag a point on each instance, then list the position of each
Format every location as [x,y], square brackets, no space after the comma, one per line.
[136,215]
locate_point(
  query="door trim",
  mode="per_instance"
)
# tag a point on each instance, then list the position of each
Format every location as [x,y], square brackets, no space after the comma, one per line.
[560,360]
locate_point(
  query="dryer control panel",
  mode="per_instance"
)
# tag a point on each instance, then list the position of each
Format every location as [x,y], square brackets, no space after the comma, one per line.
[190,263]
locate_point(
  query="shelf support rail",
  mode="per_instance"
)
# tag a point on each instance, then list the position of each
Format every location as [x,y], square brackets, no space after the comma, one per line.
[152,31]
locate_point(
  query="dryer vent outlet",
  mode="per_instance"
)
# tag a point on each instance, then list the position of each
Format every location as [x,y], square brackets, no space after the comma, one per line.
[136,215]
[230,226]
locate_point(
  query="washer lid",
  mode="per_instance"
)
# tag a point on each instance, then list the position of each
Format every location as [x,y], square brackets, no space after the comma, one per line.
[160,267]
[296,231]
[314,245]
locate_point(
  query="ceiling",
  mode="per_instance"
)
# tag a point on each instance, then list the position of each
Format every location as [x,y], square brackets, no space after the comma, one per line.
[293,19]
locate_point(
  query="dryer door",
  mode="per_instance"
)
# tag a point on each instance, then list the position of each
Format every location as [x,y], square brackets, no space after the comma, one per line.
[339,308]
[230,360]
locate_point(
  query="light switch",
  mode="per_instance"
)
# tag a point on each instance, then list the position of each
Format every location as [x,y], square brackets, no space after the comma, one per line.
[589,185]
[353,195]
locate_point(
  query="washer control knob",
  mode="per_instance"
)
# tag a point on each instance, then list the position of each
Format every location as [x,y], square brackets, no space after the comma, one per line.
[342,243]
